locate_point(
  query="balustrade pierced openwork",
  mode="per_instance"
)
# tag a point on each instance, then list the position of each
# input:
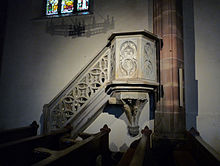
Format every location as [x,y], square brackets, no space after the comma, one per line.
[127,63]
[81,90]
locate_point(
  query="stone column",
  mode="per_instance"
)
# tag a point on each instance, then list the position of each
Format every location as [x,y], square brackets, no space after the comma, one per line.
[170,112]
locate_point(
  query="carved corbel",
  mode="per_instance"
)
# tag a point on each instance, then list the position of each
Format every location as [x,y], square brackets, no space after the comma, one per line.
[132,106]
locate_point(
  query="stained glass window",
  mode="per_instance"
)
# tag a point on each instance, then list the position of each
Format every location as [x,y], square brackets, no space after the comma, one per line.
[82,5]
[52,7]
[67,6]
[57,7]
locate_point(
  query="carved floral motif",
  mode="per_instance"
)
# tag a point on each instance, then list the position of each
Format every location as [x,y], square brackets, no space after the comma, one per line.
[120,60]
[128,58]
[112,70]
[148,58]
[132,107]
[149,61]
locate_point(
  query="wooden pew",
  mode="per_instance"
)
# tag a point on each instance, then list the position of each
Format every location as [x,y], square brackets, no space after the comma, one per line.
[136,152]
[203,152]
[18,133]
[20,152]
[83,153]
[196,152]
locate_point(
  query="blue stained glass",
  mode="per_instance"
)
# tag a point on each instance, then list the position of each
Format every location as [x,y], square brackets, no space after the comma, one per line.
[82,5]
[67,6]
[52,7]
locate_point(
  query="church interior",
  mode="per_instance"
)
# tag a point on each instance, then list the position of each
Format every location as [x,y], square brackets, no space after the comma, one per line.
[110,83]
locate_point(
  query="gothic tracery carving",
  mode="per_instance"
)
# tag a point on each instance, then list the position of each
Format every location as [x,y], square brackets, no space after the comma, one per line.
[128,58]
[133,107]
[112,70]
[133,58]
[82,91]
[149,60]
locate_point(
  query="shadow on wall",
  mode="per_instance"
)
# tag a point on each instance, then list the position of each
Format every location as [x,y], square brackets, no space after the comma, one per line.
[3,16]
[41,124]
[115,110]
[114,147]
[84,26]
[191,85]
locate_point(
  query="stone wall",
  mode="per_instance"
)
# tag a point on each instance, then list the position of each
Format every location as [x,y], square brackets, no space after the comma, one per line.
[202,61]
[37,65]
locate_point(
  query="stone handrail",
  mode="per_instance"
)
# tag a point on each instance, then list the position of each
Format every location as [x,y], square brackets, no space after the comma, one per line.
[75,96]
[128,63]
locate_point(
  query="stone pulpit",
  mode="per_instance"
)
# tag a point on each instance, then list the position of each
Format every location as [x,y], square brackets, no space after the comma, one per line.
[125,72]
[134,72]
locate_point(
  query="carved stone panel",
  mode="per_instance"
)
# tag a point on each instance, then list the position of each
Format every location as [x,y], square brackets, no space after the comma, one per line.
[135,58]
[127,63]
[148,60]
[126,58]
[133,103]
[83,90]
[112,62]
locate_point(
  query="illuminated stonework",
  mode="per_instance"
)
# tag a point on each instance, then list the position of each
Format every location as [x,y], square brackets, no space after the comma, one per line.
[124,69]
[81,92]
[128,58]
[149,69]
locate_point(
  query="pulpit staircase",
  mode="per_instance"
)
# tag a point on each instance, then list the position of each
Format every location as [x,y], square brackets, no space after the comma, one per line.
[124,71]
[106,76]
[81,101]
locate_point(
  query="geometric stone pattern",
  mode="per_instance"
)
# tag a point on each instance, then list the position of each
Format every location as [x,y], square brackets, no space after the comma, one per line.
[135,58]
[82,91]
[112,64]
[130,57]
[149,60]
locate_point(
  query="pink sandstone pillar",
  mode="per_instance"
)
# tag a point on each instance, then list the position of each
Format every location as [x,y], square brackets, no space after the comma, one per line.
[170,112]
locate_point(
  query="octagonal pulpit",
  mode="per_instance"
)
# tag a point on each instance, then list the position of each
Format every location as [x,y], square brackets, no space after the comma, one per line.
[134,72]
